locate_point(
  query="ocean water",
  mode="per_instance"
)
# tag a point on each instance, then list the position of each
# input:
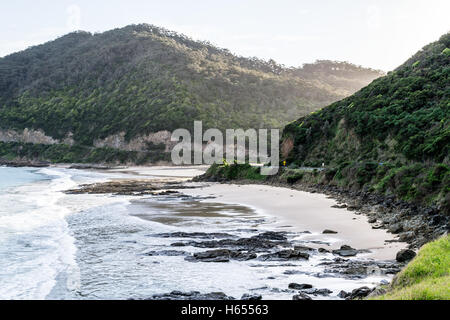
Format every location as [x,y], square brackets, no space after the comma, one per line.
[59,246]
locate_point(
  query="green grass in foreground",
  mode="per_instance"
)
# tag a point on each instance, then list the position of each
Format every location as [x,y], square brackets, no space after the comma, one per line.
[427,277]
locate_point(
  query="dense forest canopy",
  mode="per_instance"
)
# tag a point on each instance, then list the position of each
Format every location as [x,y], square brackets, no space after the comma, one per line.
[392,136]
[142,79]
[402,116]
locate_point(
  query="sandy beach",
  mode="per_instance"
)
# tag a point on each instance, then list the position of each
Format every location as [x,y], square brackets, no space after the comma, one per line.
[301,211]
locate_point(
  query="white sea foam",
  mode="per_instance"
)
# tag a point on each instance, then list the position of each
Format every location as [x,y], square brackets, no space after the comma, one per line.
[35,242]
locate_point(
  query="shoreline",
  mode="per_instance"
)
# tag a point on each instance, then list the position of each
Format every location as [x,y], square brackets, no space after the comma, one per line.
[411,222]
[302,211]
[298,218]
[298,209]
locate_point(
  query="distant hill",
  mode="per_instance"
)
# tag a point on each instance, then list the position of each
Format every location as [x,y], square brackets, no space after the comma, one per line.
[393,136]
[141,79]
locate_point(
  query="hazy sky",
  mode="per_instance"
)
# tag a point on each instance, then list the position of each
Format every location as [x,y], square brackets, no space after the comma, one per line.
[378,33]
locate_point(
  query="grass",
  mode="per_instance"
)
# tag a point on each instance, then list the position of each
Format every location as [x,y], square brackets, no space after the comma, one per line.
[426,277]
[235,172]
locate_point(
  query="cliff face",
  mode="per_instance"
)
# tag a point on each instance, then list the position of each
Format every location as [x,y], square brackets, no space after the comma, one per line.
[32,136]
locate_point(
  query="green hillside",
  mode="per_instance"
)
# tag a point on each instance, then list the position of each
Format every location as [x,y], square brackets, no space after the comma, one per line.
[393,136]
[143,79]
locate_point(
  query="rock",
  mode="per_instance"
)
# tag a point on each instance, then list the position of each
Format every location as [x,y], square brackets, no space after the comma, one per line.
[193,295]
[360,293]
[168,253]
[318,292]
[339,206]
[372,220]
[220,255]
[378,291]
[297,286]
[271,235]
[284,255]
[327,231]
[89,166]
[346,251]
[406,236]
[359,269]
[396,228]
[251,297]
[323,250]
[201,235]
[303,248]
[264,241]
[23,163]
[178,244]
[342,294]
[405,255]
[301,296]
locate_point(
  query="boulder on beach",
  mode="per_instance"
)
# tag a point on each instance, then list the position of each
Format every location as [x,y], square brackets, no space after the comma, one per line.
[301,296]
[298,286]
[405,255]
[346,251]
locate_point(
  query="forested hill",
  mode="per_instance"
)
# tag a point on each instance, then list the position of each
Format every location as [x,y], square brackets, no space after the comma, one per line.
[392,136]
[143,79]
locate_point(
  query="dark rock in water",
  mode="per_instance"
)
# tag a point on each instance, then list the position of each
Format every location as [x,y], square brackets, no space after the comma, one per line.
[318,292]
[169,253]
[339,206]
[220,255]
[372,220]
[201,235]
[323,250]
[193,295]
[360,293]
[405,255]
[301,296]
[24,163]
[290,272]
[284,255]
[242,256]
[327,231]
[89,166]
[303,248]
[342,294]
[346,251]
[354,269]
[251,297]
[263,241]
[271,235]
[178,244]
[298,286]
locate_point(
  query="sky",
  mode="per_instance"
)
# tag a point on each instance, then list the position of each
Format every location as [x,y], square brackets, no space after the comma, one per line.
[380,34]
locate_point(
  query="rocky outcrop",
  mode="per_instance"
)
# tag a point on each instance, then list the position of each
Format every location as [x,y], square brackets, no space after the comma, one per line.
[31,136]
[141,143]
[221,255]
[192,295]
